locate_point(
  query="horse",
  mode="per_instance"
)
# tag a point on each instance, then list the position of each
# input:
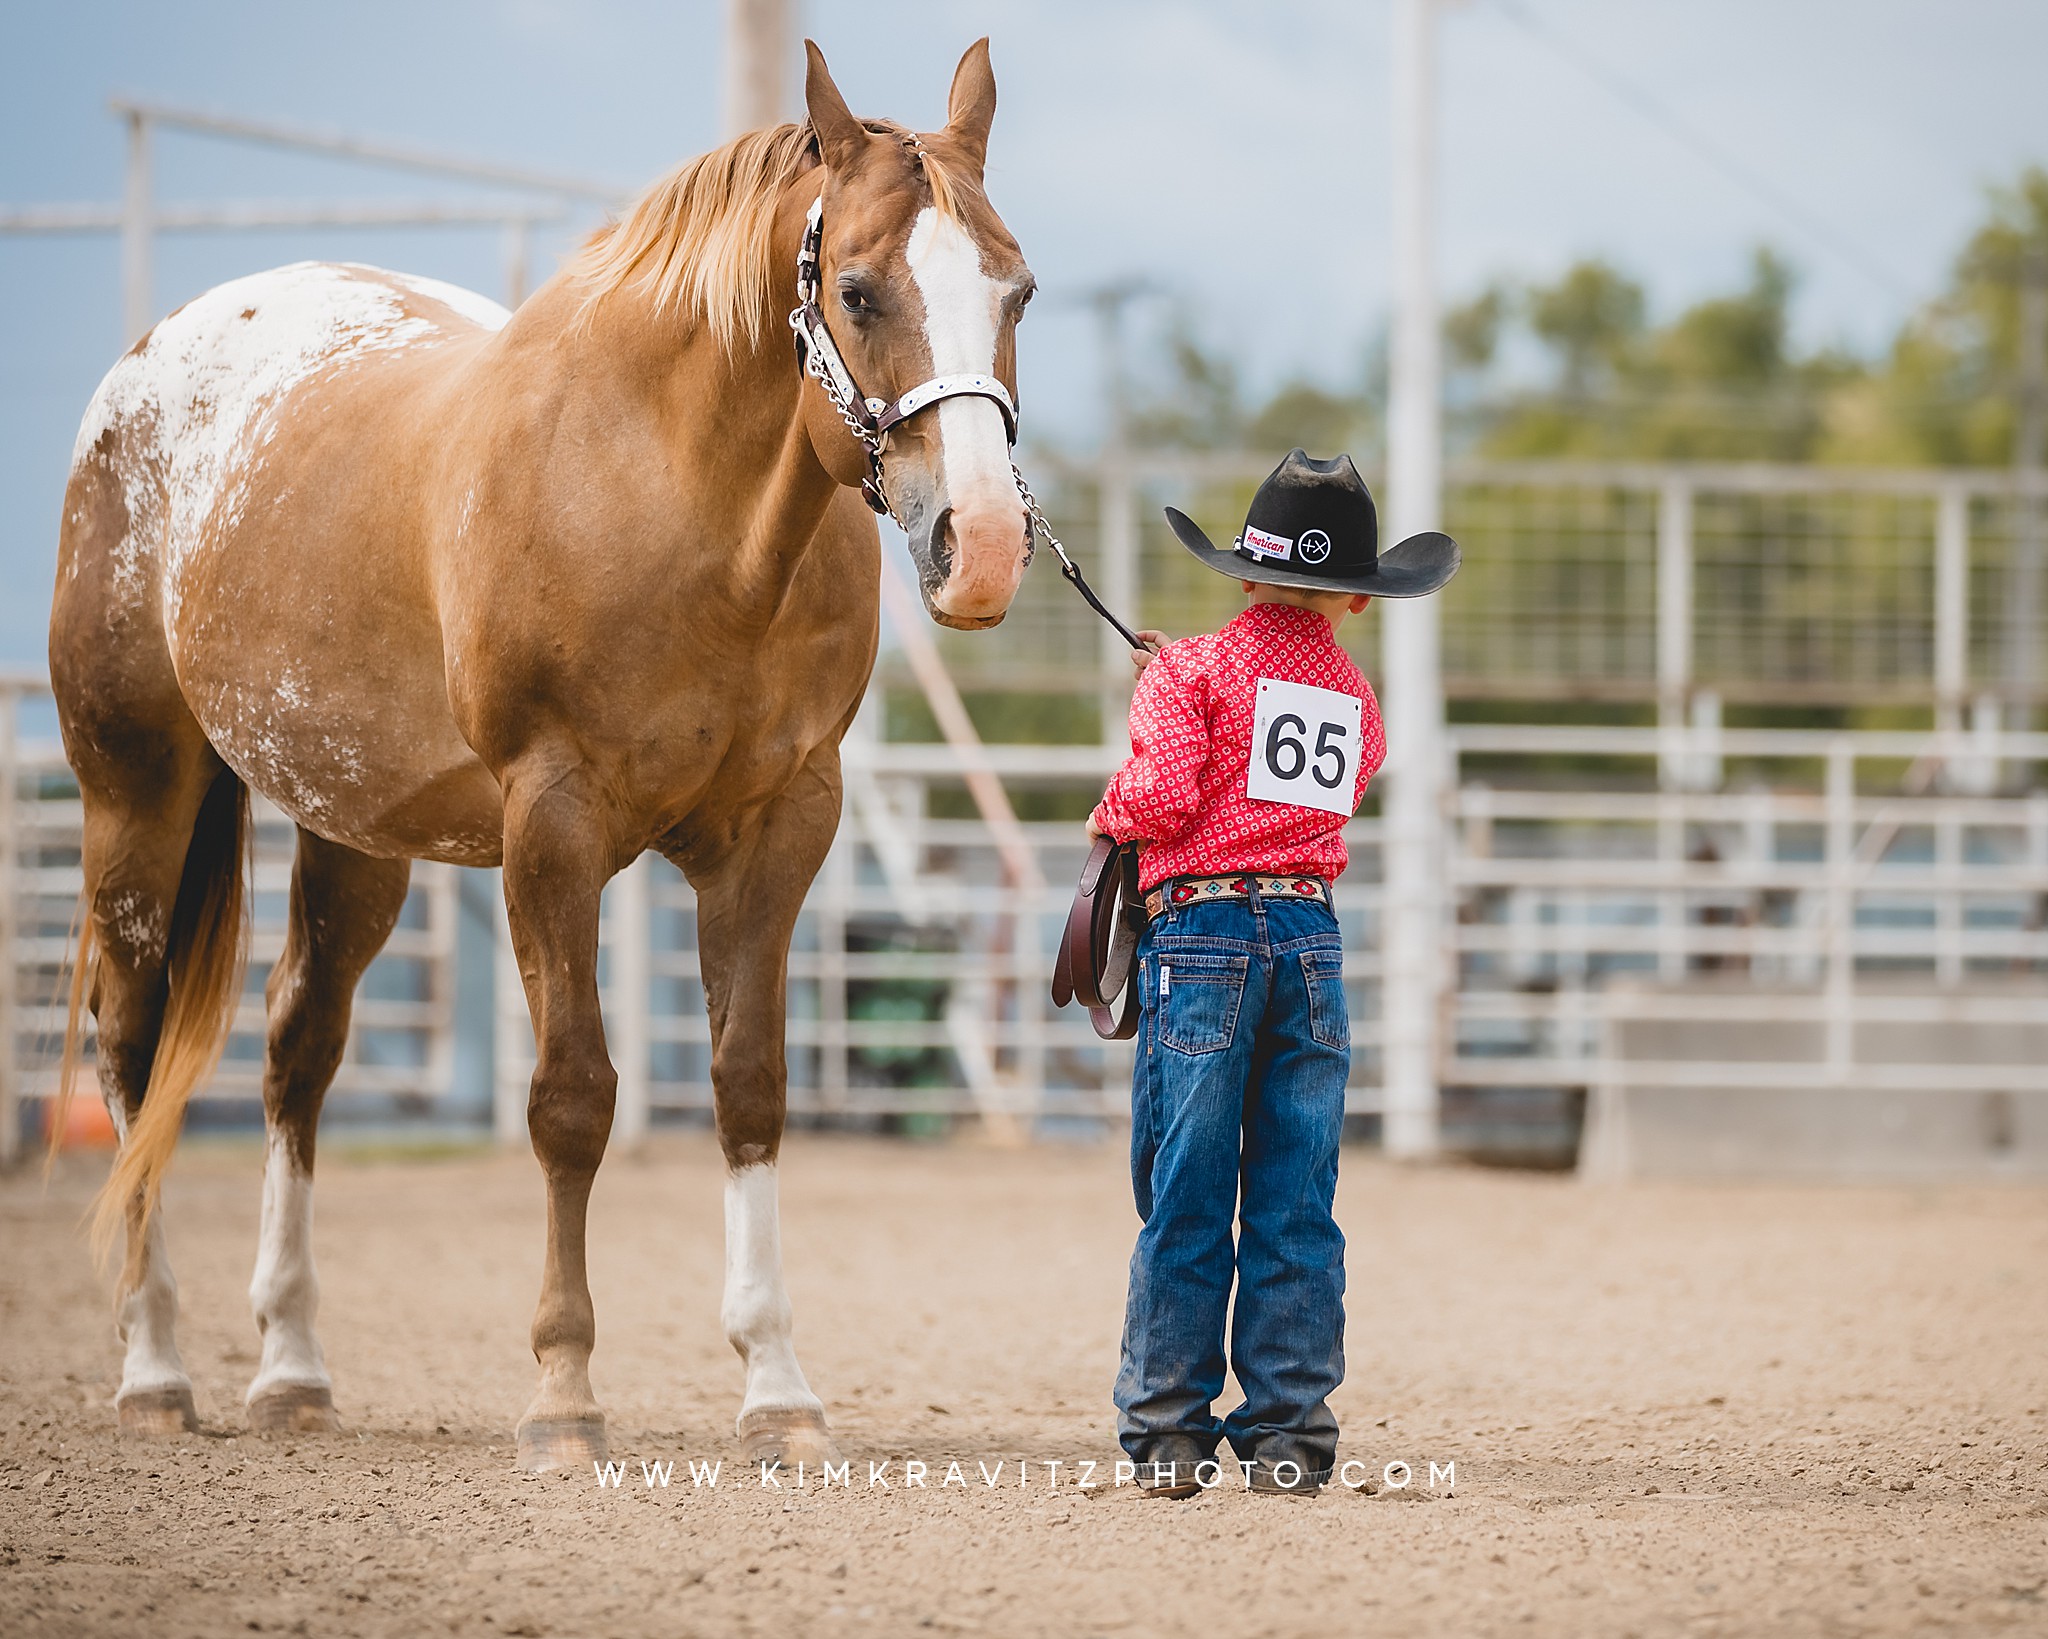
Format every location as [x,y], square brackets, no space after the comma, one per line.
[540,590]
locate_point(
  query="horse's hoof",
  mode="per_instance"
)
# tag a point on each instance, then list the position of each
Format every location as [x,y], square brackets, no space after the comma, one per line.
[294,1408]
[152,1413]
[787,1437]
[565,1442]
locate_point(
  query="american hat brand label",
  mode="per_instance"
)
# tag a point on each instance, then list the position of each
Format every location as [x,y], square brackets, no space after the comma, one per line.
[1268,546]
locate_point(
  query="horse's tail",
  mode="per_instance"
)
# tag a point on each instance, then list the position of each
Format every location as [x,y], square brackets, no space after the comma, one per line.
[206,958]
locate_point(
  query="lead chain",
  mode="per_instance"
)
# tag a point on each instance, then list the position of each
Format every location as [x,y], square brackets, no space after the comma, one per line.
[814,366]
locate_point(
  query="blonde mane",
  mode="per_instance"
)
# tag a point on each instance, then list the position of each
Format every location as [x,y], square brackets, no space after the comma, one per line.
[698,241]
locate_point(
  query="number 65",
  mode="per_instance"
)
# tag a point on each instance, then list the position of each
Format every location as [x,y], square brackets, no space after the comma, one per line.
[1329,743]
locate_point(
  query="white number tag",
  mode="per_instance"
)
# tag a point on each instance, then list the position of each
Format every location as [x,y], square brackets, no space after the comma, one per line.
[1305,746]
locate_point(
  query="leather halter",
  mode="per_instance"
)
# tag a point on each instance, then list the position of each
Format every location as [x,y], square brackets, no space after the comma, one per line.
[869,419]
[1100,944]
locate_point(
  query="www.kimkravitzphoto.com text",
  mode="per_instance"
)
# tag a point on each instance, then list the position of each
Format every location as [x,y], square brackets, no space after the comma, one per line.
[972,1475]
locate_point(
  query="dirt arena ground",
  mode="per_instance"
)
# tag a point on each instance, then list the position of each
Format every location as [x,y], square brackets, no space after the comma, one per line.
[1700,1410]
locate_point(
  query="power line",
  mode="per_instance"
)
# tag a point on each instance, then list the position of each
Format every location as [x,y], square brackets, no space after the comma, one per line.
[1645,103]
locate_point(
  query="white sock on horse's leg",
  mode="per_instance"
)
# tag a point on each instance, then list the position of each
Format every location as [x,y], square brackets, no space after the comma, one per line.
[155,1396]
[147,1318]
[285,1292]
[756,1310]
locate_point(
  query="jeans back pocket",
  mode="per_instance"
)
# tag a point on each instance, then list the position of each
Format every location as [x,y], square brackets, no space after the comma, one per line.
[1329,1015]
[1197,997]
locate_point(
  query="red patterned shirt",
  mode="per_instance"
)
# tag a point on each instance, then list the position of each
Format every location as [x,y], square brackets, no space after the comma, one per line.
[1183,788]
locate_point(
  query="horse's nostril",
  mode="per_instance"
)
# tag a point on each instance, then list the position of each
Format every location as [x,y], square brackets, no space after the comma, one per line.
[939,547]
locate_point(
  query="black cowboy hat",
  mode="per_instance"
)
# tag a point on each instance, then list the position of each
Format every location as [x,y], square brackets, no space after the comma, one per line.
[1312,524]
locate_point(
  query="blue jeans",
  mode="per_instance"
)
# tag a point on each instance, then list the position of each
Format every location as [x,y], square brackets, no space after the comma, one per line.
[1237,1106]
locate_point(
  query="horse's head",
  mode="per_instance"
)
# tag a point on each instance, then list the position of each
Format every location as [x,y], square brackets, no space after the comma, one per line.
[919,279]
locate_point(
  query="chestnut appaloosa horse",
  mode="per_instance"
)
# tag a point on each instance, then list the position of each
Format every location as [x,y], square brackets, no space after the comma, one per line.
[542,589]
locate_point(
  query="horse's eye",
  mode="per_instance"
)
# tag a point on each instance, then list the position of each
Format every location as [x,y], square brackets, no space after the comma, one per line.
[855,300]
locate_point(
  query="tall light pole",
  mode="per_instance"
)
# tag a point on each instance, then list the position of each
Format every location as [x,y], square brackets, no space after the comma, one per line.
[1412,948]
[1117,500]
[138,230]
[759,59]
[2029,443]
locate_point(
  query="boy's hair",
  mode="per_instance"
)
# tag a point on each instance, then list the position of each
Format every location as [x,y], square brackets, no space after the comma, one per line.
[1301,597]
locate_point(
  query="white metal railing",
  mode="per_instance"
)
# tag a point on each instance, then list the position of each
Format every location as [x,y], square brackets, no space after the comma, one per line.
[1793,893]
[400,1052]
[910,991]
[1602,878]
[1786,895]
[1683,584]
[140,217]
[1847,883]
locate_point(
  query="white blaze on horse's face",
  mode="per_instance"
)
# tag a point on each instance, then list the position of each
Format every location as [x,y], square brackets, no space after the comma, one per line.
[963,314]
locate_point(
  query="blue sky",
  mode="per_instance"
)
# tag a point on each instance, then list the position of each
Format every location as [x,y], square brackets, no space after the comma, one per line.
[1234,152]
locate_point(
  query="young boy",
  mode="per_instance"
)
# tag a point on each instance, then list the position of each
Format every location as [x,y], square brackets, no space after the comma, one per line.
[1250,748]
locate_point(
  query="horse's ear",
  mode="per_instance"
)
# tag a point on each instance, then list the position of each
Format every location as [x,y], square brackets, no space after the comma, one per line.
[971,105]
[841,137]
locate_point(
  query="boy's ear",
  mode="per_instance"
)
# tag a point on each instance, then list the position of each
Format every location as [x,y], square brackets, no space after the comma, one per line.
[1359,602]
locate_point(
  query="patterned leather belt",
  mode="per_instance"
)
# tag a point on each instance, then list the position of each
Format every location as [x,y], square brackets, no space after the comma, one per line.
[1179,892]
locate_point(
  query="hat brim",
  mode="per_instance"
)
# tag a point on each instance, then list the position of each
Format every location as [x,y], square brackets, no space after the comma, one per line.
[1414,568]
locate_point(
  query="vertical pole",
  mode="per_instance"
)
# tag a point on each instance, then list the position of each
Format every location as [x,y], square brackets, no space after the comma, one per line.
[1674,868]
[138,248]
[1948,894]
[2029,446]
[1951,606]
[444,919]
[1674,623]
[757,55]
[1841,910]
[834,906]
[1412,949]
[10,957]
[1117,503]
[518,242]
[632,952]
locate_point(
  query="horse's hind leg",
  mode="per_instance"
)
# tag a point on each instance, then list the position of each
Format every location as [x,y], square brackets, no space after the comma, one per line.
[136,838]
[343,907]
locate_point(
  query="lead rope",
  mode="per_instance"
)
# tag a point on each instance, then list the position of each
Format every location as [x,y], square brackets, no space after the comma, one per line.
[1070,569]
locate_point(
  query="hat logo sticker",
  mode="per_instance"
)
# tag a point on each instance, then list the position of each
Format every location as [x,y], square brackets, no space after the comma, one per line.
[1257,541]
[1314,546]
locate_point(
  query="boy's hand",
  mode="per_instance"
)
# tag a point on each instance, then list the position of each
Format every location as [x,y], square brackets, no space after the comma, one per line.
[1094,830]
[1141,658]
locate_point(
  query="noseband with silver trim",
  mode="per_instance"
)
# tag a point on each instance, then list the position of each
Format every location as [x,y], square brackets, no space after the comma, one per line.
[871,419]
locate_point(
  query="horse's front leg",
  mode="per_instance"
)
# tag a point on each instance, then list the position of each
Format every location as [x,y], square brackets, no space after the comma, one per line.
[558,854]
[747,909]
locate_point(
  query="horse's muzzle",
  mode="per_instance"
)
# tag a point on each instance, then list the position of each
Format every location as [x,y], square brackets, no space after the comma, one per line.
[974,563]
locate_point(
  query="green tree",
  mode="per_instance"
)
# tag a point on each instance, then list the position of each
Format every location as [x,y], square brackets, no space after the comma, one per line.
[1194,402]
[1947,393]
[1719,382]
[1592,319]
